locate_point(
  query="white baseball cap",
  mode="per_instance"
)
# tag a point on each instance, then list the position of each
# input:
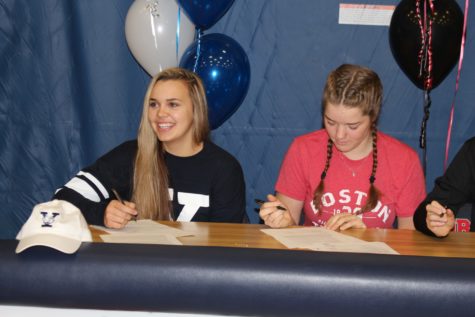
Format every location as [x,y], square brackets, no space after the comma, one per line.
[56,224]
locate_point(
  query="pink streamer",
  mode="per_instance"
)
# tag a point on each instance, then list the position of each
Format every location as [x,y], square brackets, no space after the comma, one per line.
[452,110]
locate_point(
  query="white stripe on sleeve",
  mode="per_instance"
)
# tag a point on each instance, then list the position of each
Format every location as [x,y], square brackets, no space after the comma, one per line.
[96,182]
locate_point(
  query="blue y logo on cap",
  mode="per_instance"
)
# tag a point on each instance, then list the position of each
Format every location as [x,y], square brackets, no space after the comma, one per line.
[48,218]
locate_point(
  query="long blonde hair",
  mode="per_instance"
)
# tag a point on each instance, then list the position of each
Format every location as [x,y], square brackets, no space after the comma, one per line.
[355,87]
[150,183]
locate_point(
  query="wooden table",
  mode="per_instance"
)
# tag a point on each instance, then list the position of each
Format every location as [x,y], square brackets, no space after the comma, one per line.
[406,242]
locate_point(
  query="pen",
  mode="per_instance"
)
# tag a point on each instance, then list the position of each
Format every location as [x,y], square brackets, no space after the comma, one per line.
[443,213]
[260,202]
[117,196]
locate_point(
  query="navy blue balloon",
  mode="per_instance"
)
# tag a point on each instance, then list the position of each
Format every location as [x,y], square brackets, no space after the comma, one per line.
[205,13]
[224,68]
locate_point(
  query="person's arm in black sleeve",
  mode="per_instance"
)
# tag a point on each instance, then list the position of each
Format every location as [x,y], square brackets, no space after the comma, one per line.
[91,189]
[454,189]
[93,211]
[228,197]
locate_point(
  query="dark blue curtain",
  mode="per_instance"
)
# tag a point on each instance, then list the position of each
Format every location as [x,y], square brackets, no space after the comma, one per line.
[70,90]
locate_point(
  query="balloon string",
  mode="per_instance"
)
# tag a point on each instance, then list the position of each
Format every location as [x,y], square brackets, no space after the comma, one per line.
[422,139]
[427,103]
[421,28]
[177,39]
[198,49]
[452,110]
[425,53]
[429,79]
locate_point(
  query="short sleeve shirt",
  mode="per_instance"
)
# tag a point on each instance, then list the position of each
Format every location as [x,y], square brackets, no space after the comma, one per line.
[399,179]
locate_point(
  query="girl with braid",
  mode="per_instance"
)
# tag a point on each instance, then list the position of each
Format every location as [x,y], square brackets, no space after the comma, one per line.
[347,175]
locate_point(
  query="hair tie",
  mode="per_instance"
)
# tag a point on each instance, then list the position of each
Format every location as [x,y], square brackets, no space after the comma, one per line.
[372,179]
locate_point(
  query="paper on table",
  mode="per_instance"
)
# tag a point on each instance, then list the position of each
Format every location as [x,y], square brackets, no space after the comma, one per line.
[365,247]
[301,237]
[143,226]
[142,238]
[321,239]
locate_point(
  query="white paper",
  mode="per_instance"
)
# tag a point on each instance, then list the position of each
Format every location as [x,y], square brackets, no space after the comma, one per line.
[143,226]
[365,14]
[365,247]
[141,238]
[321,239]
[302,237]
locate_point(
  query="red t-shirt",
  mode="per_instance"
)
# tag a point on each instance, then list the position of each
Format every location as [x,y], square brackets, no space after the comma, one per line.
[399,178]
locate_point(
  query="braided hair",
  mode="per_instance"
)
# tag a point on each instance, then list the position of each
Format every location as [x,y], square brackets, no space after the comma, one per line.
[355,87]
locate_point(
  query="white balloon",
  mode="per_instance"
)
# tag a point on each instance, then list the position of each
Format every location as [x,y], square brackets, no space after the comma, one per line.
[151,33]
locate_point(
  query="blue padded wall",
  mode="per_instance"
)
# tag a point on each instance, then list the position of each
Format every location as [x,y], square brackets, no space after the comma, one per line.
[70,90]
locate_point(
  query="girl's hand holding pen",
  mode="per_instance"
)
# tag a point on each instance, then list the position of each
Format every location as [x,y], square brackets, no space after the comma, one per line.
[118,213]
[273,213]
[440,220]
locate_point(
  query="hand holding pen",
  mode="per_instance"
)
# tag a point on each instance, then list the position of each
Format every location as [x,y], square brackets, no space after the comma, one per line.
[440,219]
[119,212]
[260,202]
[273,213]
